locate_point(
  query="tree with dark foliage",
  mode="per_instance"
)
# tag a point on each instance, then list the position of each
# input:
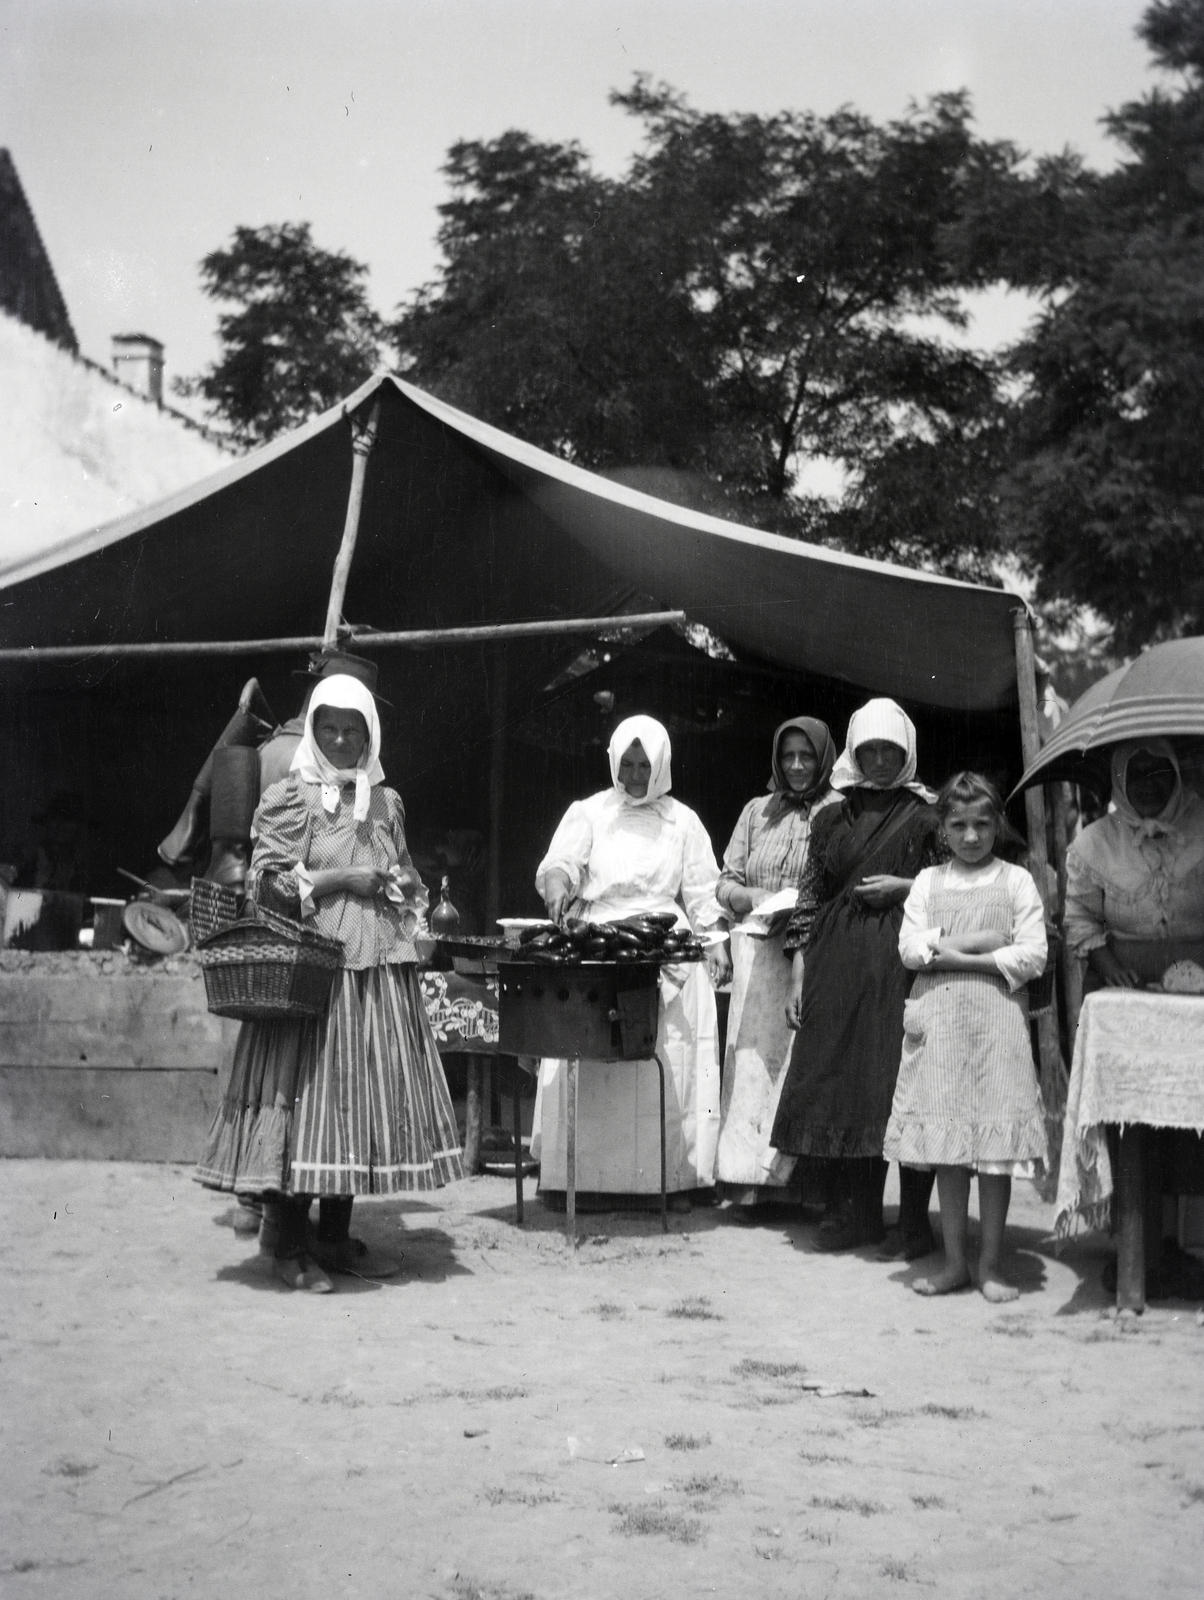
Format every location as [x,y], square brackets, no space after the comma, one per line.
[747,295]
[1105,502]
[303,336]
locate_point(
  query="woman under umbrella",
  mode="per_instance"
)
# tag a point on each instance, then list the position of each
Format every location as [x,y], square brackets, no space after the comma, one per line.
[765,855]
[847,997]
[1135,878]
[628,849]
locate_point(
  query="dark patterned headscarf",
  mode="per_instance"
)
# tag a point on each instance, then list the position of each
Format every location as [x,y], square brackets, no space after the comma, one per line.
[819,738]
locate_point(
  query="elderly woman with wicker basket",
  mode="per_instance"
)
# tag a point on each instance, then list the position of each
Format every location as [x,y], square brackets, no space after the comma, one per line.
[352,1101]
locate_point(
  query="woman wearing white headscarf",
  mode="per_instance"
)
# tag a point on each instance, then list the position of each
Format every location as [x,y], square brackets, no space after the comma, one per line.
[847,998]
[1135,878]
[353,1102]
[634,848]
[1135,906]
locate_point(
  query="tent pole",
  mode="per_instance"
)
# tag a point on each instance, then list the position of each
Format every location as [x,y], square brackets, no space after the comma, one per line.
[363,437]
[1053,1071]
[498,687]
[496,670]
[413,638]
[1072,967]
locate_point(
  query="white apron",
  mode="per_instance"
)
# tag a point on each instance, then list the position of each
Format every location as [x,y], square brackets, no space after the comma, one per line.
[759,1042]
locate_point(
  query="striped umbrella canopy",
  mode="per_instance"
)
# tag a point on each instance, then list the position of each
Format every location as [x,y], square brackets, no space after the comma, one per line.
[1160,693]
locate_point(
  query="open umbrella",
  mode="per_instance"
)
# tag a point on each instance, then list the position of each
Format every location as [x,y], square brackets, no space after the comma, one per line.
[1161,693]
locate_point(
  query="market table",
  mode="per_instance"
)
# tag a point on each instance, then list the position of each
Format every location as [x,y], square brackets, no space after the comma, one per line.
[1138,1065]
[463,1009]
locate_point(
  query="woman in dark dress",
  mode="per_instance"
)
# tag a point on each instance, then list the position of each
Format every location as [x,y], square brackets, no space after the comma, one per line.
[846,1003]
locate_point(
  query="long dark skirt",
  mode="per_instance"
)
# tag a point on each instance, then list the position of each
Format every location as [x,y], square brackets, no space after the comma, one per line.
[841,1080]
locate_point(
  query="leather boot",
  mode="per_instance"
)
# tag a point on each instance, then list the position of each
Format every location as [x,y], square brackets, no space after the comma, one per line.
[228,864]
[185,839]
[869,1180]
[181,843]
[252,702]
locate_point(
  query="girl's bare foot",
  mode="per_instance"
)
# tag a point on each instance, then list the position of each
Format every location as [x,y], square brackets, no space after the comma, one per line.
[996,1289]
[945,1282]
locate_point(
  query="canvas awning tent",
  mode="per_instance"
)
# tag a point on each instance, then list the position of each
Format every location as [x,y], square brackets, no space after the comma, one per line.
[461,524]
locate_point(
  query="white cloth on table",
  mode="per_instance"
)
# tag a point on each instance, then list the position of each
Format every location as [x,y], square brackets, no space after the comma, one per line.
[1138,1058]
[1019,961]
[620,859]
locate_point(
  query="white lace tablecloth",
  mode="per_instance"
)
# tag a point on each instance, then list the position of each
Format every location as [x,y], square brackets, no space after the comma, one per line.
[1138,1057]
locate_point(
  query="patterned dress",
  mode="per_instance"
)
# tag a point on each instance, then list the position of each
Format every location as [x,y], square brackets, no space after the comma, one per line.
[967,1093]
[836,1100]
[353,1102]
[767,850]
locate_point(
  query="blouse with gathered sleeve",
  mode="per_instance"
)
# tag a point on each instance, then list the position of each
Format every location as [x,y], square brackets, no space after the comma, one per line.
[1147,889]
[620,859]
[295,837]
[919,843]
[1020,960]
[768,846]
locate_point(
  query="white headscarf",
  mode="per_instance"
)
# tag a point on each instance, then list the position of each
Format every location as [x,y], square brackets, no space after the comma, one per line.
[348,694]
[1145,827]
[655,742]
[880,719]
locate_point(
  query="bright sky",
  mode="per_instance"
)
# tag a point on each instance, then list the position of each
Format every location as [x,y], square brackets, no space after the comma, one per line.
[144,131]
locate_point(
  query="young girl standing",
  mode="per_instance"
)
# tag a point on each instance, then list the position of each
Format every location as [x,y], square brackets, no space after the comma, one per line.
[967,1099]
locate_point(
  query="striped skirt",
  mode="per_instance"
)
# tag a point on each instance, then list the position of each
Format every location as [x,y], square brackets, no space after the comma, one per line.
[354,1102]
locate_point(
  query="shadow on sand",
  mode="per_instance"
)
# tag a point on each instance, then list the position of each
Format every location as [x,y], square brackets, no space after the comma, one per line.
[426,1253]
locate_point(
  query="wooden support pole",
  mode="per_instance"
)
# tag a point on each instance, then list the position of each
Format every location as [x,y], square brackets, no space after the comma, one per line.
[497,688]
[413,638]
[570,1154]
[1053,1069]
[498,695]
[1072,967]
[1130,1231]
[472,1112]
[363,437]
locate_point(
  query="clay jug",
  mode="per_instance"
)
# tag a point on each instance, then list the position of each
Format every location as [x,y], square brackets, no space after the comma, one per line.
[445,919]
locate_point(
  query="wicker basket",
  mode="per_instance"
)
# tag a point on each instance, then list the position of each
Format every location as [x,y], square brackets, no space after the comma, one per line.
[267,968]
[211,906]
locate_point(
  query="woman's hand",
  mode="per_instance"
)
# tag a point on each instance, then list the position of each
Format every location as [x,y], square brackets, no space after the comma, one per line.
[742,900]
[880,890]
[719,963]
[362,881]
[557,895]
[1105,965]
[794,999]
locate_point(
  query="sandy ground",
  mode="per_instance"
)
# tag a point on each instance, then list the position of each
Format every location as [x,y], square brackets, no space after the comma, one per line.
[176,1424]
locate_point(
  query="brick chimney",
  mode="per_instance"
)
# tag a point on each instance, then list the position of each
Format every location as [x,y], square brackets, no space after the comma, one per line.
[138,363]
